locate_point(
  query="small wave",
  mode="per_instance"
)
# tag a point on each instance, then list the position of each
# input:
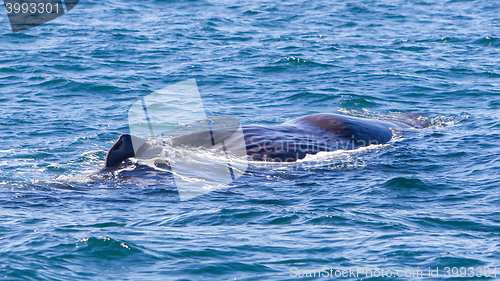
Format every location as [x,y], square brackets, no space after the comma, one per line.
[357,102]
[77,178]
[106,247]
[316,97]
[406,183]
[301,62]
[445,121]
[487,41]
[357,8]
[419,118]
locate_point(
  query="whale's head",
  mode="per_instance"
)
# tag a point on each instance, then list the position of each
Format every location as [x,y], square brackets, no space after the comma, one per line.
[123,149]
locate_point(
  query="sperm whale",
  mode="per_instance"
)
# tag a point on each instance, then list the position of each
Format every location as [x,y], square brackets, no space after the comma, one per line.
[287,142]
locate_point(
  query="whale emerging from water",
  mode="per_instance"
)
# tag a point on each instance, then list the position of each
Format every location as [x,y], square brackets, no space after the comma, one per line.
[287,142]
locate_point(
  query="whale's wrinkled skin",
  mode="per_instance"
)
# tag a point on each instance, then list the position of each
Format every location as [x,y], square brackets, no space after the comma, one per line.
[286,142]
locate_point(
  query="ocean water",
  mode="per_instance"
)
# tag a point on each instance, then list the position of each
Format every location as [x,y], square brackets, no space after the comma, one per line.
[428,200]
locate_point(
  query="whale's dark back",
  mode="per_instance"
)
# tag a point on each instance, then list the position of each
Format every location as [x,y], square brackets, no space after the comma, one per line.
[311,134]
[287,142]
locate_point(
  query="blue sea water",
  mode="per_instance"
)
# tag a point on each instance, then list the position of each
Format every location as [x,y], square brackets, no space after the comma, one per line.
[428,199]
